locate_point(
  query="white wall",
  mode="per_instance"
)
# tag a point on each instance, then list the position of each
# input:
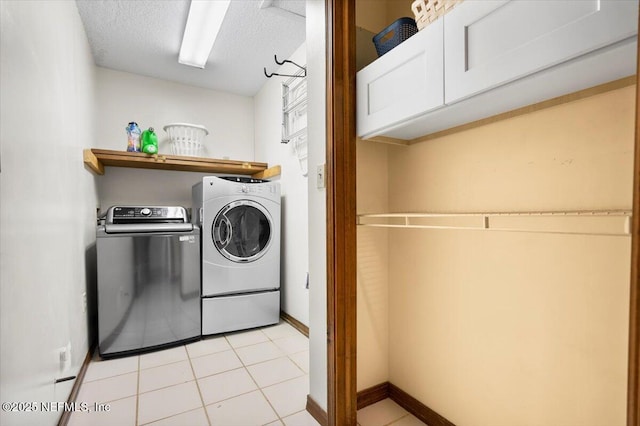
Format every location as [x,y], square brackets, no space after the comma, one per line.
[48,200]
[293,184]
[316,128]
[123,97]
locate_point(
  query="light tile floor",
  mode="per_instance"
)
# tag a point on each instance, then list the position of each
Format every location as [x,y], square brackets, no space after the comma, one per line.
[386,412]
[256,377]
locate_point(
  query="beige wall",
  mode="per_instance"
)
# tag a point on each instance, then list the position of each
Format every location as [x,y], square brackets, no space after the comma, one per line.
[491,328]
[574,156]
[375,15]
[371,15]
[372,270]
[399,9]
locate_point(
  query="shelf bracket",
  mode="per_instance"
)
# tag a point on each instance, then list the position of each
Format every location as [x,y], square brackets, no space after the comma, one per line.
[92,162]
[268,173]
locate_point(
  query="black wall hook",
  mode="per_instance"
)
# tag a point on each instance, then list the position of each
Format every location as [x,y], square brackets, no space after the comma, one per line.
[275,57]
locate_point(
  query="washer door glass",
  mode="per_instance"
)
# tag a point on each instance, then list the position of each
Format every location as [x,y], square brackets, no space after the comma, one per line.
[242,231]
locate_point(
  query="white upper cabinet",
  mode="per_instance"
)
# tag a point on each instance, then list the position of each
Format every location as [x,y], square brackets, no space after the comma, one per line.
[406,82]
[487,57]
[490,43]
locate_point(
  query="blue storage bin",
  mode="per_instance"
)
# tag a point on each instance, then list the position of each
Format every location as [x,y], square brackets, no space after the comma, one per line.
[394,34]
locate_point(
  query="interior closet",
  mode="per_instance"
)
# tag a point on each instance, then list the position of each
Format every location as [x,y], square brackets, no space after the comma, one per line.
[494,262]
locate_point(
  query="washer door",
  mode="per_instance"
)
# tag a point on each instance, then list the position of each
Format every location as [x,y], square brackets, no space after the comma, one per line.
[242,231]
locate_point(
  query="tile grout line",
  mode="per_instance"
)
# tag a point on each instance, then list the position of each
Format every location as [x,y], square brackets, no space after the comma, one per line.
[108,377]
[193,371]
[294,353]
[177,384]
[303,411]
[162,365]
[284,355]
[166,387]
[287,354]
[289,358]
[234,396]
[120,398]
[212,353]
[296,364]
[168,417]
[254,381]
[283,381]
[397,420]
[138,391]
[392,422]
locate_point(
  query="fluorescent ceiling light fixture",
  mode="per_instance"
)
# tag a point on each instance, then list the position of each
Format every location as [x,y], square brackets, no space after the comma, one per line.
[203,25]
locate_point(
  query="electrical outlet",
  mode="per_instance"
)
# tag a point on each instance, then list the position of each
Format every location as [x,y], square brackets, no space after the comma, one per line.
[64,357]
[84,302]
[320,176]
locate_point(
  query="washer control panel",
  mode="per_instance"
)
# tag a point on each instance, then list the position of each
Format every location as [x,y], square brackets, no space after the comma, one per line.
[144,214]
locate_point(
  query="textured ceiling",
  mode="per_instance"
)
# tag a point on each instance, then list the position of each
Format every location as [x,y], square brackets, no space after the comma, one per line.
[144,37]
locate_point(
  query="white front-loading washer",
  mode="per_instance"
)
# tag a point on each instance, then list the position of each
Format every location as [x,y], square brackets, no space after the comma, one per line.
[240,225]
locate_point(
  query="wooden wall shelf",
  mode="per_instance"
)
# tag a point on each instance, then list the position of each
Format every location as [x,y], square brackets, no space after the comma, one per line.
[97,159]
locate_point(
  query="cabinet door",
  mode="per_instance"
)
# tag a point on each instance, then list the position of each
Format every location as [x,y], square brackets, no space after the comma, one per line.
[490,43]
[405,82]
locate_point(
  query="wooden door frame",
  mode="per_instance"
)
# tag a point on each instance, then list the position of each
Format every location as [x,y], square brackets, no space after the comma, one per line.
[633,388]
[341,212]
[341,226]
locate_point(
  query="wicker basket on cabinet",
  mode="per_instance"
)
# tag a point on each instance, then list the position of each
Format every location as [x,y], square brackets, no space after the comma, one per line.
[427,11]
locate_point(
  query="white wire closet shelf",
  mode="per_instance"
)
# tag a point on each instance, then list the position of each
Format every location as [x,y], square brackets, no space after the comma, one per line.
[585,222]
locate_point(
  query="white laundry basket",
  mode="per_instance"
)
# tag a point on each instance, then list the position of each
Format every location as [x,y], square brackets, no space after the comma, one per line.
[186,139]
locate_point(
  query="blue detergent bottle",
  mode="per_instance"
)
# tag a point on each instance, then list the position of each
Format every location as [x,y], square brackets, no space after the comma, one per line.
[133,137]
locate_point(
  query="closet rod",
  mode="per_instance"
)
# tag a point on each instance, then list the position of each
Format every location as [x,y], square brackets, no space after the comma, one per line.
[612,222]
[470,228]
[524,213]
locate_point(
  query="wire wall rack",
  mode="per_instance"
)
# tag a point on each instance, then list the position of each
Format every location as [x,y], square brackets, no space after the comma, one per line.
[586,222]
[294,117]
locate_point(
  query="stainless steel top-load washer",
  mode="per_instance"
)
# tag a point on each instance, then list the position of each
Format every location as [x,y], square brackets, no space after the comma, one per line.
[148,279]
